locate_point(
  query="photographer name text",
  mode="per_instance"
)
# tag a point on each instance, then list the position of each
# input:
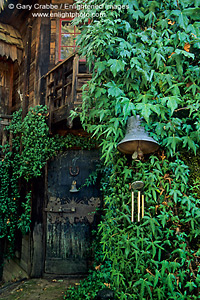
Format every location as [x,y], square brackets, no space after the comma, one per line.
[62,6]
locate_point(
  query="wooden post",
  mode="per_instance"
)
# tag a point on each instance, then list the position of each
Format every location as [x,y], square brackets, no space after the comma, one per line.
[74,78]
[10,89]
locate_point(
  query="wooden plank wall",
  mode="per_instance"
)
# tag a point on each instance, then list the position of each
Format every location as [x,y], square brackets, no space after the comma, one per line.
[40,39]
[28,77]
[54,42]
[6,78]
[17,93]
[28,90]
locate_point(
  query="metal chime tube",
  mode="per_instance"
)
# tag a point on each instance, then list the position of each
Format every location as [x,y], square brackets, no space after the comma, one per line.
[138,206]
[137,185]
[132,210]
[142,206]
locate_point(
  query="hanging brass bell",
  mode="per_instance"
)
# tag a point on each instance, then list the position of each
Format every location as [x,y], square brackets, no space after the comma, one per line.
[137,140]
[73,187]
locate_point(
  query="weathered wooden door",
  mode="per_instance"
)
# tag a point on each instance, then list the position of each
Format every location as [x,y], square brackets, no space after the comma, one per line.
[70,215]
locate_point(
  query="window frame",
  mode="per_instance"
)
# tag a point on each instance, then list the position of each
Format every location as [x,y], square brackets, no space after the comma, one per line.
[74,33]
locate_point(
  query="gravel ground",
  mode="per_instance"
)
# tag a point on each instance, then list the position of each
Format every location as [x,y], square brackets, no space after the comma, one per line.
[34,289]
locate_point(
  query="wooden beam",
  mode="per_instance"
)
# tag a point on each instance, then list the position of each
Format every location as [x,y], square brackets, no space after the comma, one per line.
[2,116]
[60,114]
[74,78]
[10,88]
[60,64]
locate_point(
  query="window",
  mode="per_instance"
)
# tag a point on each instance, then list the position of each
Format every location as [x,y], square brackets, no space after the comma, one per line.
[67,43]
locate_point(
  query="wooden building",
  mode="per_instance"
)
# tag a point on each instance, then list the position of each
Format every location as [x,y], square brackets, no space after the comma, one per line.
[38,65]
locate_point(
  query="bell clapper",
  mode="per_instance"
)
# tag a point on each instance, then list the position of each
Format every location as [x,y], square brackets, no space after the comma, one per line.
[134,155]
[140,154]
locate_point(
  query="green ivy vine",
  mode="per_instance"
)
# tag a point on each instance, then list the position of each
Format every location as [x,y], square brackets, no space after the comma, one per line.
[29,148]
[145,57]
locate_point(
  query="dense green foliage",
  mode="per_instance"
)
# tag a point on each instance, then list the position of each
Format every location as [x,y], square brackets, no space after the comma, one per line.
[146,62]
[24,157]
[99,277]
[28,148]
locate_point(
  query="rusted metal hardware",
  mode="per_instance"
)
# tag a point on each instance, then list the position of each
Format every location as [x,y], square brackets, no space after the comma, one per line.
[59,211]
[73,172]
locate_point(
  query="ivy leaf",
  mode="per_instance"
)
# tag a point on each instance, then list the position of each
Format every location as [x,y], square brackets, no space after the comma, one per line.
[159,129]
[172,102]
[145,110]
[131,3]
[191,144]
[116,65]
[135,62]
[117,107]
[156,109]
[144,37]
[194,87]
[100,66]
[159,59]
[193,13]
[169,281]
[157,275]
[125,53]
[101,116]
[192,29]
[172,142]
[128,107]
[179,65]
[182,18]
[185,53]
[99,92]
[175,193]
[136,14]
[164,218]
[197,3]
[174,88]
[191,285]
[114,90]
[151,17]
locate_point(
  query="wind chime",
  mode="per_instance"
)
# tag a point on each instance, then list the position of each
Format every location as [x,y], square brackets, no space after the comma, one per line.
[137,185]
[137,142]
